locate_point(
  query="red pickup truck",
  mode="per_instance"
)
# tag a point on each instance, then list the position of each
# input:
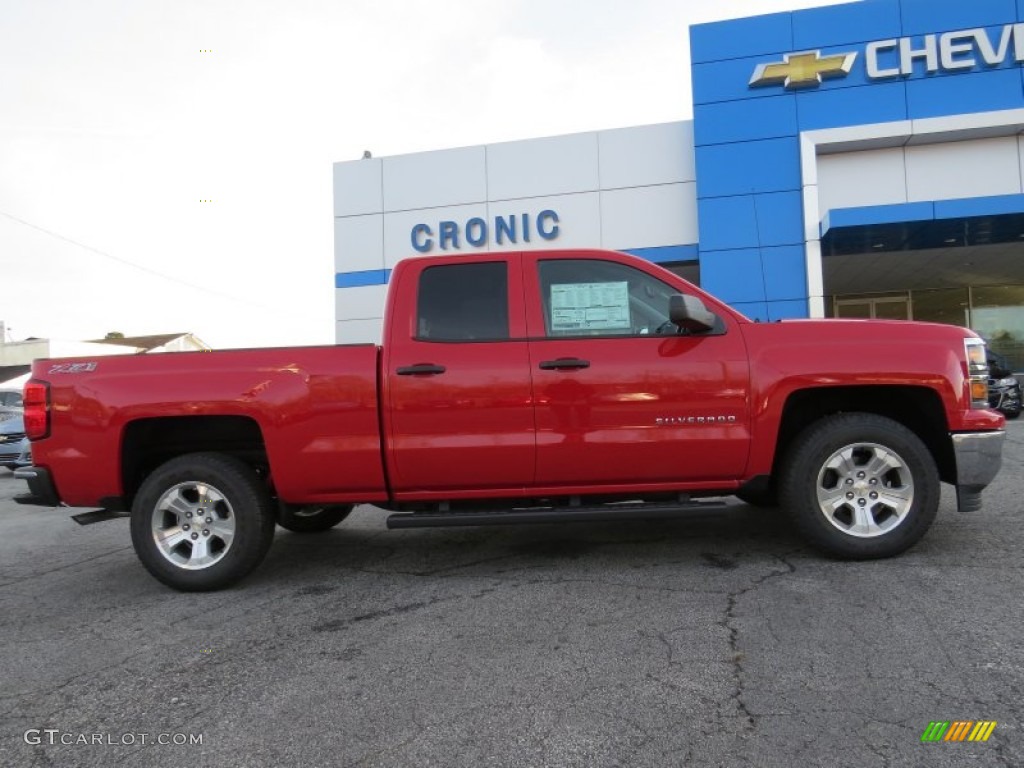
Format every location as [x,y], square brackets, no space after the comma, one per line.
[521,387]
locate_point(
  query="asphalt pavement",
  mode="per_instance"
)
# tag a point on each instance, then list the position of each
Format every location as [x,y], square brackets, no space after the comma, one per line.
[718,640]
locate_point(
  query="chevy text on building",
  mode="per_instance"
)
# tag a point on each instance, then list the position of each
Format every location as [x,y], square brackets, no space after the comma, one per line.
[951,51]
[477,232]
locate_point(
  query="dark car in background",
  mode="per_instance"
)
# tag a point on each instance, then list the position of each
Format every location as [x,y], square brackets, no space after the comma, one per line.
[15,450]
[1003,387]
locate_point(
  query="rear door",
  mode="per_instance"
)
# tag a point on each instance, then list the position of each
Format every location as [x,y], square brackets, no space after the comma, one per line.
[458,413]
[621,398]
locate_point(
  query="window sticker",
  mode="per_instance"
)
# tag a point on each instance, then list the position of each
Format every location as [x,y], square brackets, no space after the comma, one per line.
[589,307]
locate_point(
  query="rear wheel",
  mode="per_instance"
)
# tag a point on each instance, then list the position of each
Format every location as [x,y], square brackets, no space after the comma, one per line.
[860,486]
[202,522]
[311,519]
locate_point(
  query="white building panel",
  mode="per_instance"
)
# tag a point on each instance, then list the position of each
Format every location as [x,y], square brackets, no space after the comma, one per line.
[855,179]
[364,331]
[359,243]
[647,217]
[433,179]
[562,164]
[1020,154]
[398,230]
[579,221]
[960,169]
[646,155]
[357,187]
[364,301]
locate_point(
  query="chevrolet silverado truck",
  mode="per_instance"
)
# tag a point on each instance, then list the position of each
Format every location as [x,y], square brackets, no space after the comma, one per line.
[521,387]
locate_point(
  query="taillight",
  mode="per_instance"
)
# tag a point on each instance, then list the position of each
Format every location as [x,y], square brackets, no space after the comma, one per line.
[37,409]
[977,371]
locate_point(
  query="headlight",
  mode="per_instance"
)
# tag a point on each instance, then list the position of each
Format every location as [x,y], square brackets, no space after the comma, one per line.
[1009,381]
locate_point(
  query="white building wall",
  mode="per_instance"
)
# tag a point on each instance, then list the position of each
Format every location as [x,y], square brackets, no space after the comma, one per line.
[915,173]
[623,188]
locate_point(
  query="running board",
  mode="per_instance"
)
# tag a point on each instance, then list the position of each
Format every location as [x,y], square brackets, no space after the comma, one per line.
[99,516]
[630,511]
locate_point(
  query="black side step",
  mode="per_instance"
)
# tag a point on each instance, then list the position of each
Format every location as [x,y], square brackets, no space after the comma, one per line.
[98,516]
[628,511]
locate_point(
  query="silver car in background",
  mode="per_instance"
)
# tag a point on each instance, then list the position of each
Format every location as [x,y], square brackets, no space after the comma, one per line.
[11,398]
[15,449]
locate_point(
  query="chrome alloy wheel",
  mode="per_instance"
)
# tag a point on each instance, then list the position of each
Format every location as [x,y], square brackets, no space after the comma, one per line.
[193,525]
[865,490]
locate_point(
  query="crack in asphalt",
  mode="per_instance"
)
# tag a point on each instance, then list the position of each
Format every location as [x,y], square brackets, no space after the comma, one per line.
[737,656]
[396,610]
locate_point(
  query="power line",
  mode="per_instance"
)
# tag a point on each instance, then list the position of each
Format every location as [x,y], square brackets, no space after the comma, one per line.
[148,270]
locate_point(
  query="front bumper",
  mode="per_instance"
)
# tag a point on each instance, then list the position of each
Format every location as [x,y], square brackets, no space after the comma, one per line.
[41,490]
[979,455]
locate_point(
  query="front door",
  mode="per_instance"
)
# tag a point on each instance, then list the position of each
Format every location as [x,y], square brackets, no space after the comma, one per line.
[621,398]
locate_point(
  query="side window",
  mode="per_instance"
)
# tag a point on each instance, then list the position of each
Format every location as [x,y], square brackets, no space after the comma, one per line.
[587,297]
[463,302]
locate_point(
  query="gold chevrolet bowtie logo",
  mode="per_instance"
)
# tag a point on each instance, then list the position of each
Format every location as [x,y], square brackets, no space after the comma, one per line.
[803,70]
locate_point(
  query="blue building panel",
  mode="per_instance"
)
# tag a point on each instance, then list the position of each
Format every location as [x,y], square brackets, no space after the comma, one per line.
[922,17]
[750,167]
[730,80]
[737,38]
[845,24]
[727,223]
[965,93]
[996,205]
[734,276]
[785,273]
[877,214]
[732,121]
[362,278]
[755,310]
[779,218]
[876,103]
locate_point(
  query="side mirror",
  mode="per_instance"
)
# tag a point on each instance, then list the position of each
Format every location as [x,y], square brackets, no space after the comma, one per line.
[689,313]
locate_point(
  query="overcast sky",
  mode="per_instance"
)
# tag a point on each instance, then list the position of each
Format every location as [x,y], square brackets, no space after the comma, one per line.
[118,119]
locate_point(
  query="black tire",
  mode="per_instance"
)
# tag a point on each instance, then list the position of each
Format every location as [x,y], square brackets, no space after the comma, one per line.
[1011,415]
[311,519]
[236,500]
[883,458]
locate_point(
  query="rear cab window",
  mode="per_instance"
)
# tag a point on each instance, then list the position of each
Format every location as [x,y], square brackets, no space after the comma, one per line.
[463,303]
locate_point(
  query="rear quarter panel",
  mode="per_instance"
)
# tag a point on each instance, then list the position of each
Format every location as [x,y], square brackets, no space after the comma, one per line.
[316,408]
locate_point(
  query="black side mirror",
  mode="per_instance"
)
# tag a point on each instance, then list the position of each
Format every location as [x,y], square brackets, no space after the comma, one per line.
[690,314]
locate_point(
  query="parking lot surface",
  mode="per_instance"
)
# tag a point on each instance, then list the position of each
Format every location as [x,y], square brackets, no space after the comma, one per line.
[719,640]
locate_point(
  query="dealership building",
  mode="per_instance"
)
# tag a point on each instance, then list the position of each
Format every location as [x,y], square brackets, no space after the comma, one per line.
[858,160]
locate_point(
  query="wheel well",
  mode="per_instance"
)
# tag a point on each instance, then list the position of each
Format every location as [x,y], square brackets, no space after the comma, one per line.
[148,443]
[917,408]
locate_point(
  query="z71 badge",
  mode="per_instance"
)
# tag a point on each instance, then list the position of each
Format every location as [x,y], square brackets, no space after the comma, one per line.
[73,368]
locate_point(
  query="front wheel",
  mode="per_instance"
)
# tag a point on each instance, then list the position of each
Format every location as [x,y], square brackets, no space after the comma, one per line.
[860,486]
[311,519]
[202,521]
